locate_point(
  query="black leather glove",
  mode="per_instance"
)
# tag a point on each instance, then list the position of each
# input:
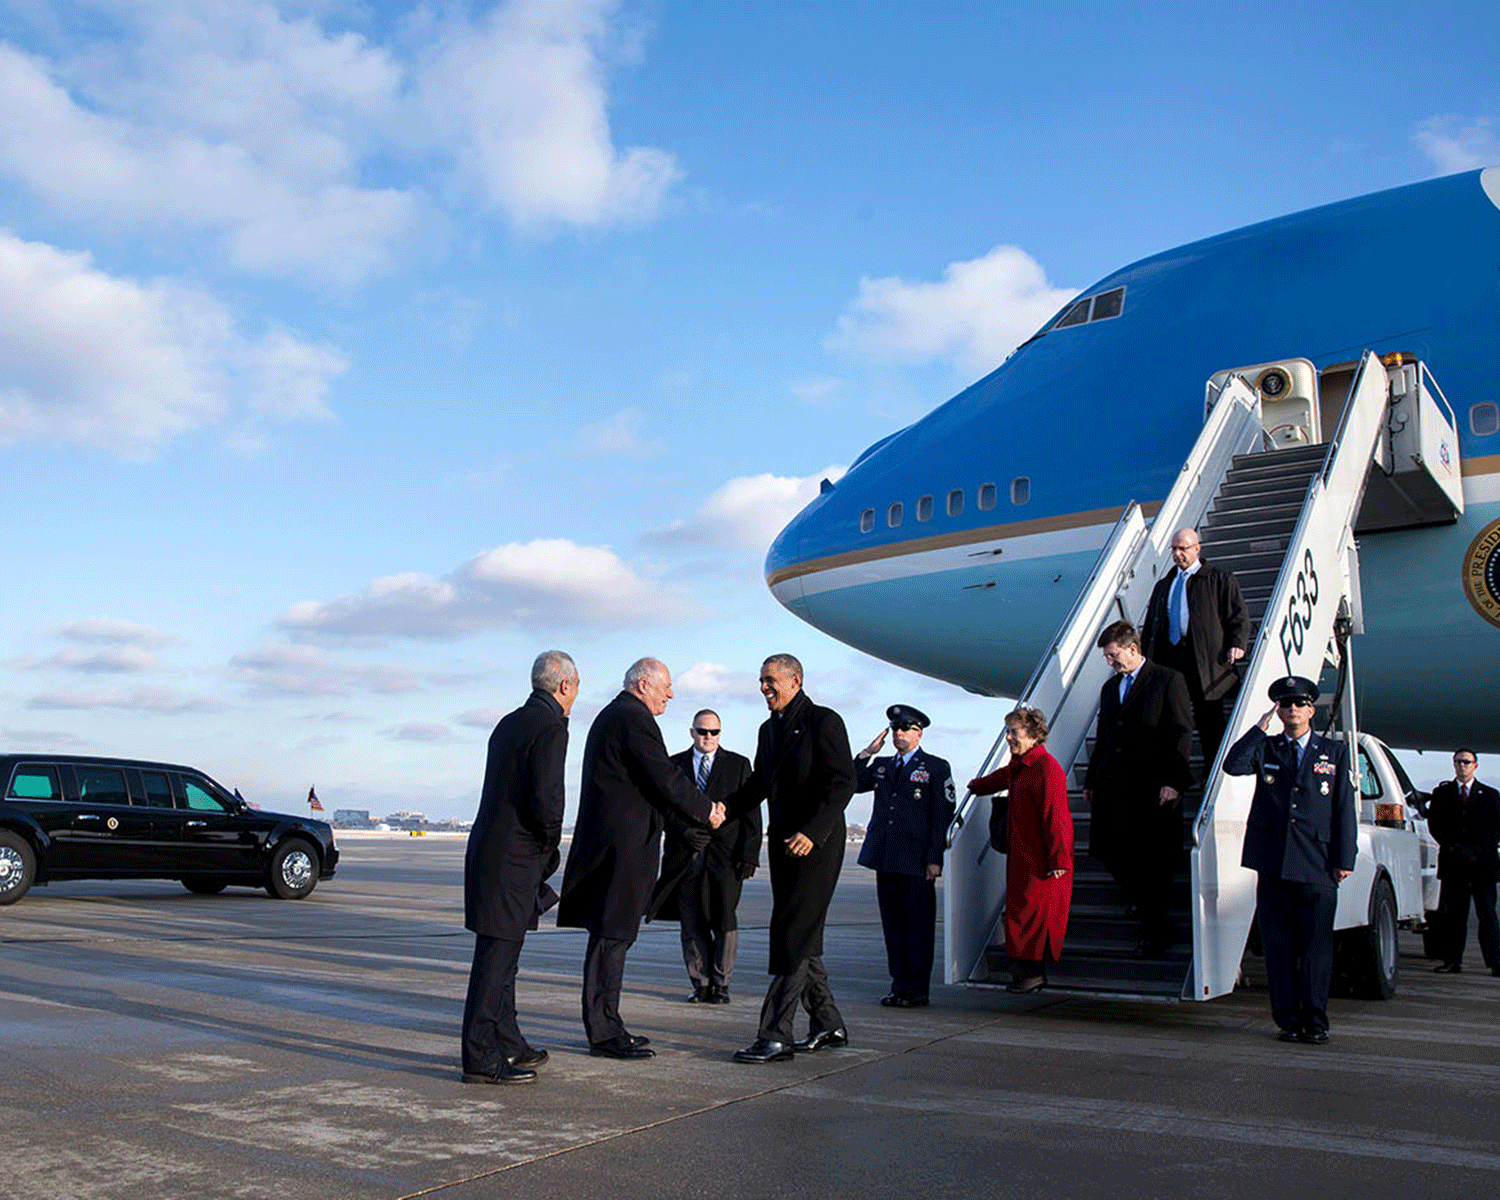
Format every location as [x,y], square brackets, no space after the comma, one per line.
[696,838]
[744,870]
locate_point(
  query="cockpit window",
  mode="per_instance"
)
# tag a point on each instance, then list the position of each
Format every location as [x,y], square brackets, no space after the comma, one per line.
[1108,304]
[1076,315]
[1092,308]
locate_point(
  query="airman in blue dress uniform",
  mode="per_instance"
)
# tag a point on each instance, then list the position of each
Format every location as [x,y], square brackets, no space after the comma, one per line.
[904,847]
[1301,837]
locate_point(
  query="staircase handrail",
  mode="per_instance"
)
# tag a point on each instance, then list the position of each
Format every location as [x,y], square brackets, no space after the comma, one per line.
[1293,639]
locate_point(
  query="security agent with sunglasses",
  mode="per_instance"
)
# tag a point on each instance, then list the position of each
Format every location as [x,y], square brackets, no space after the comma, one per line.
[702,871]
[904,847]
[1302,838]
[1463,817]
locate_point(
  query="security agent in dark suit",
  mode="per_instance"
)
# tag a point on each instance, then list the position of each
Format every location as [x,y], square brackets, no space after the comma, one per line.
[628,786]
[702,871]
[1463,816]
[1136,776]
[805,774]
[1196,623]
[1302,838]
[904,847]
[513,848]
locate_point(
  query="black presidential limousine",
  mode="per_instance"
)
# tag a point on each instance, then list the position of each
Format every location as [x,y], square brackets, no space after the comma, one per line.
[71,817]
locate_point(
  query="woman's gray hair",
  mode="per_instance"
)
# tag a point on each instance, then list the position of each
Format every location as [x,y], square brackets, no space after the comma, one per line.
[551,670]
[641,670]
[1031,721]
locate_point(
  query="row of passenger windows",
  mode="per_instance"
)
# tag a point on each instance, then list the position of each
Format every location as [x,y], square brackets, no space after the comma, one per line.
[107,785]
[953,505]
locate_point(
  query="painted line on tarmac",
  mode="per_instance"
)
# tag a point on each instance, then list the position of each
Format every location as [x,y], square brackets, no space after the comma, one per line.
[792,1085]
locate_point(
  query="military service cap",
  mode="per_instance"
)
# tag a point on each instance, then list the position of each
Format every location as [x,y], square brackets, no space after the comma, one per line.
[905,714]
[1294,687]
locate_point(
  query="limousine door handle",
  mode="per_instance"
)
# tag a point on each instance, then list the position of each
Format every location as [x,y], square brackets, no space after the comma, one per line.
[196,824]
[89,817]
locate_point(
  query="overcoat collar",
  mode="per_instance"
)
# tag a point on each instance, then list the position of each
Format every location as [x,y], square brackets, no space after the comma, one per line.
[548,701]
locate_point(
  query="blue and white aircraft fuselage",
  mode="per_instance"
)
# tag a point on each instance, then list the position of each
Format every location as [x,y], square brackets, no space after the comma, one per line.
[957,545]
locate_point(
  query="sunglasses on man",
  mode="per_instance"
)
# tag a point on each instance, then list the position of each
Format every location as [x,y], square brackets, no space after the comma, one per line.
[707,732]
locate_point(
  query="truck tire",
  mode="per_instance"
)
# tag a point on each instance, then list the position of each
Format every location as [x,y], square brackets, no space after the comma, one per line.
[1365,960]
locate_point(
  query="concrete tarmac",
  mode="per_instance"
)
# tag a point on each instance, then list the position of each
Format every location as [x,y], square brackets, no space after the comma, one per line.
[162,1045]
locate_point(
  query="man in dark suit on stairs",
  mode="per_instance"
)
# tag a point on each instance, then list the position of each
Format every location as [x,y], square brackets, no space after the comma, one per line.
[1196,623]
[702,871]
[1136,776]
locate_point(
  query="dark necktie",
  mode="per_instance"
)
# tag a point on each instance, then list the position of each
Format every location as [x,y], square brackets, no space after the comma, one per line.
[704,767]
[1464,792]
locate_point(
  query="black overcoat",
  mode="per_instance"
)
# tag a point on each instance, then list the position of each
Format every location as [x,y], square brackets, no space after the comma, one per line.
[1217,621]
[1466,834]
[1303,824]
[910,814]
[513,843]
[1139,747]
[805,773]
[732,843]
[629,784]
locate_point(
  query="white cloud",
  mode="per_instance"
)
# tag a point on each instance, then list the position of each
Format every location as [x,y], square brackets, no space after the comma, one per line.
[714,681]
[619,434]
[548,583]
[164,701]
[979,312]
[747,511]
[481,718]
[39,740]
[269,134]
[101,360]
[1456,144]
[308,671]
[109,631]
[419,731]
[520,96]
[116,660]
[240,125]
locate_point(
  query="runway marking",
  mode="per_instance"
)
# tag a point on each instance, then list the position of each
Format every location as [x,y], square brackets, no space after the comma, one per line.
[1048,1110]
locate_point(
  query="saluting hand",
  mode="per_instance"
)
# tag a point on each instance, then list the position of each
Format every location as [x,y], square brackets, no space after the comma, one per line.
[870,750]
[1265,721]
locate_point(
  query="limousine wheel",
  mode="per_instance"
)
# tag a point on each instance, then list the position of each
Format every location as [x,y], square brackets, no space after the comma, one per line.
[294,870]
[205,886]
[17,866]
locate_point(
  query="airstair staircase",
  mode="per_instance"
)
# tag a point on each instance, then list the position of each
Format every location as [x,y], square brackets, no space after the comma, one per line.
[1282,519]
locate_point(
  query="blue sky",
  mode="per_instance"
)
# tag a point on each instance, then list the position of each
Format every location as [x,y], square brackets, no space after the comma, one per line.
[352,353]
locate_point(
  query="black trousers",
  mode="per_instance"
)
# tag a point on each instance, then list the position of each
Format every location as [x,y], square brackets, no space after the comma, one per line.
[603,977]
[707,951]
[908,914]
[1208,715]
[490,1032]
[807,985]
[1144,863]
[1453,916]
[1296,932]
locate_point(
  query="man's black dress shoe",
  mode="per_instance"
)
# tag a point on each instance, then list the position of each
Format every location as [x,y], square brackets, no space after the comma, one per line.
[504,1073]
[890,1001]
[763,1051]
[701,995]
[720,995]
[1315,1037]
[814,1042]
[623,1046]
[1448,968]
[1290,1035]
[639,1039]
[532,1058]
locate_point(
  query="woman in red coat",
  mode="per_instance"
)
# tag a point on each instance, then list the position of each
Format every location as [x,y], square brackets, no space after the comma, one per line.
[1039,849]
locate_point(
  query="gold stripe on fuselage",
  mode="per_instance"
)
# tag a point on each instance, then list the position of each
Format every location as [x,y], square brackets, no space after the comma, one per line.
[966,537]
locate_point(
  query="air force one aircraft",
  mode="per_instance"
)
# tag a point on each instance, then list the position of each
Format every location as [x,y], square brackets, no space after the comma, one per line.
[957,545]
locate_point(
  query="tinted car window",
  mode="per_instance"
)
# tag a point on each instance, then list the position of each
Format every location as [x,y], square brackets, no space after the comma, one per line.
[102,785]
[201,798]
[1369,782]
[34,783]
[158,789]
